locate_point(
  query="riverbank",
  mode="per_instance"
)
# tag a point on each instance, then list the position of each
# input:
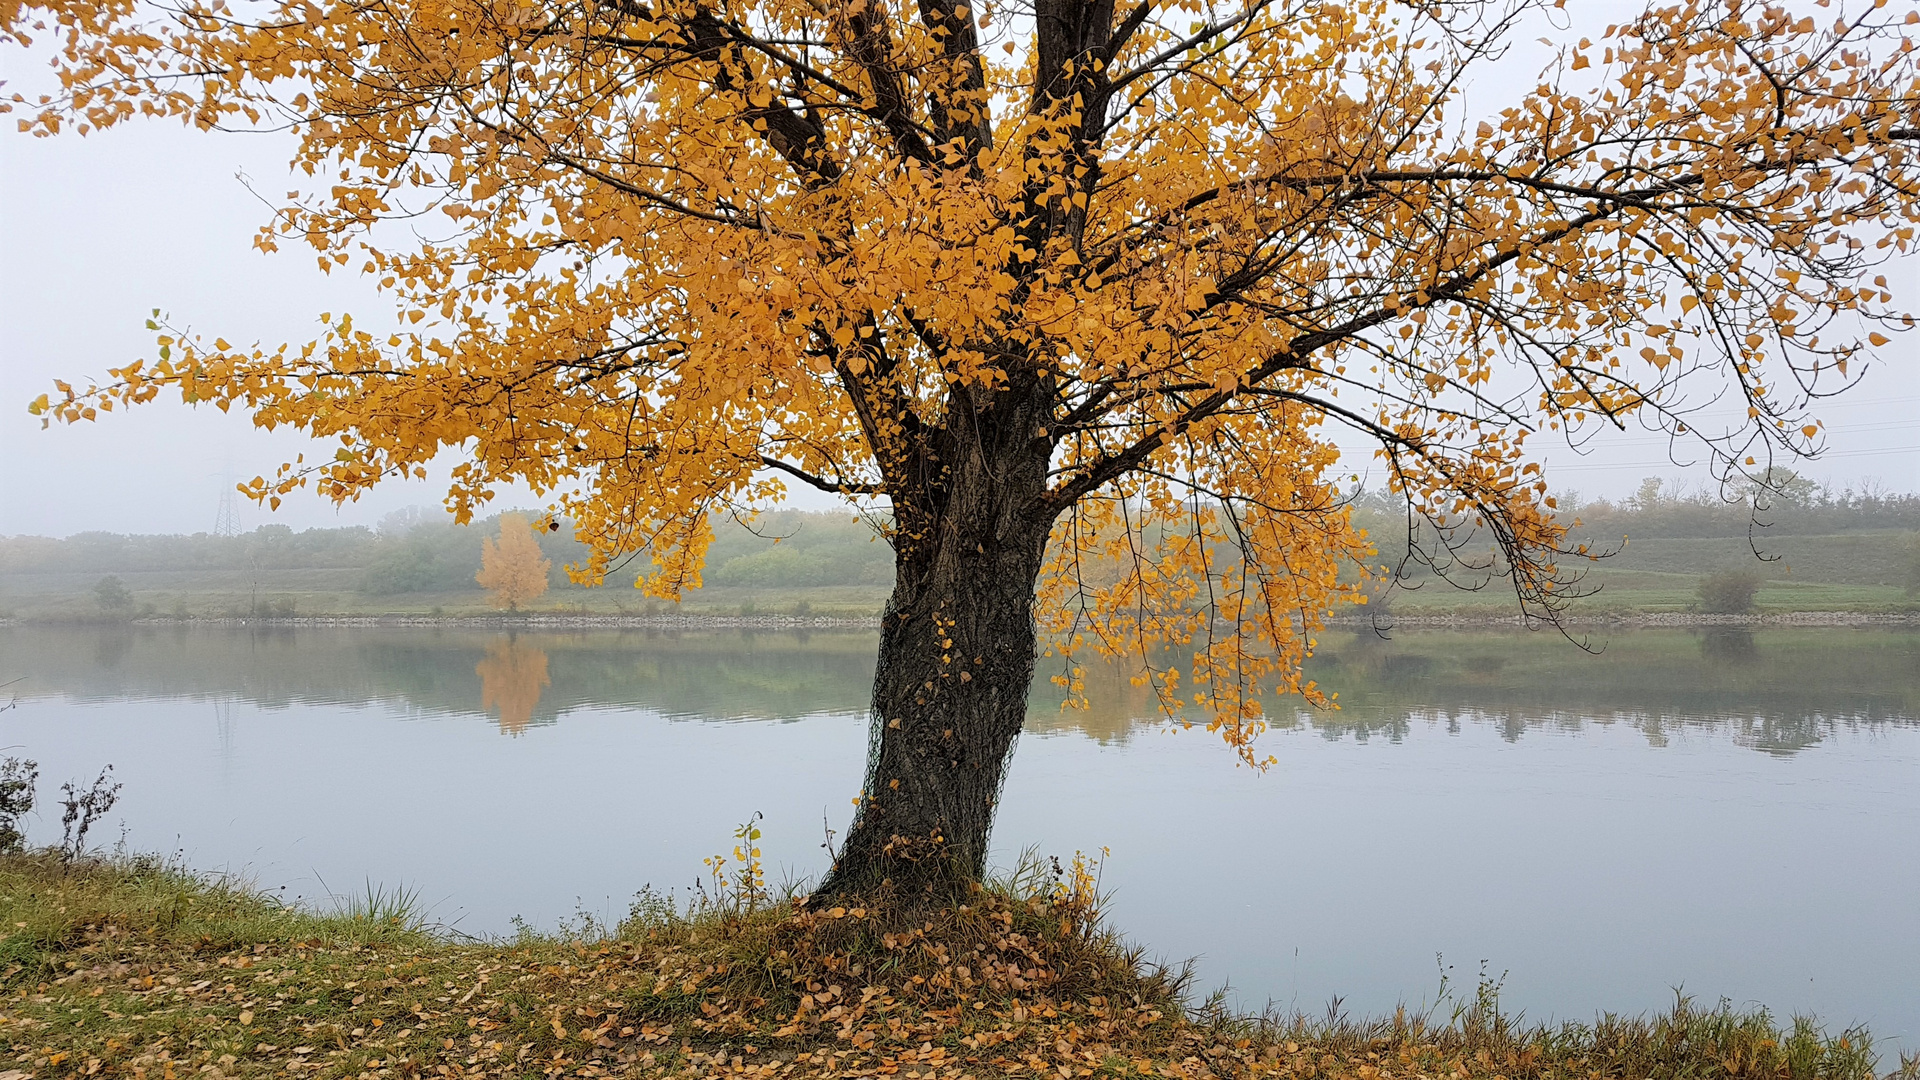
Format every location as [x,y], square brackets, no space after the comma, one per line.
[776,622]
[133,969]
[1680,620]
[487,622]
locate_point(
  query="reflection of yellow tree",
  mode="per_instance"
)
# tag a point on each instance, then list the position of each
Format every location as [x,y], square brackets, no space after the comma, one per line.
[511,568]
[511,678]
[1113,701]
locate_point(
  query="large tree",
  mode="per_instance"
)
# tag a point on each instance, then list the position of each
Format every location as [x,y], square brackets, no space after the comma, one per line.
[1073,295]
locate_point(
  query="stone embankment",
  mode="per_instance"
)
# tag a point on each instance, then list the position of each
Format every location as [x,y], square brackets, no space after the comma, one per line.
[548,621]
[1675,619]
[1376,621]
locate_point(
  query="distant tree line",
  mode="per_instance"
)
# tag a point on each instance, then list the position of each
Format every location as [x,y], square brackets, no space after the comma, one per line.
[421,550]
[1781,504]
[274,547]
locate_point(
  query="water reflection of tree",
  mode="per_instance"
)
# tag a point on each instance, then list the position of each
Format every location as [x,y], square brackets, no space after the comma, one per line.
[1391,724]
[1114,703]
[1729,645]
[1813,684]
[1783,735]
[112,647]
[511,678]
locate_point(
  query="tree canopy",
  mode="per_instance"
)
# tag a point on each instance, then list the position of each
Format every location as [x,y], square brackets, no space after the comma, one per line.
[1076,292]
[511,566]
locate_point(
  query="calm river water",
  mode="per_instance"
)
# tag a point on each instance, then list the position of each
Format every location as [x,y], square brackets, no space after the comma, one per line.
[1736,815]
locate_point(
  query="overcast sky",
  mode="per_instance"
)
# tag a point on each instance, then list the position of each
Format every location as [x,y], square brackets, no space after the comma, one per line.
[97,231]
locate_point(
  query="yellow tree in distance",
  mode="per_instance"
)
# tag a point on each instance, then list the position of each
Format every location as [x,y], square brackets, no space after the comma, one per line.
[1073,295]
[512,569]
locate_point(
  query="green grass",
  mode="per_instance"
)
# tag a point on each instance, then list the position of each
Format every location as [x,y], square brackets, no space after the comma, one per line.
[131,968]
[1878,557]
[1621,592]
[50,909]
[1864,571]
[1643,592]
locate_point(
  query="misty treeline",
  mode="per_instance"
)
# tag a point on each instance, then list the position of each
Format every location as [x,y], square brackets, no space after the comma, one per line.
[1784,504]
[422,550]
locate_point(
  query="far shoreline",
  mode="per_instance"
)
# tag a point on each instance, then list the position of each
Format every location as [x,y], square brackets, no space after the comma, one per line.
[1678,620]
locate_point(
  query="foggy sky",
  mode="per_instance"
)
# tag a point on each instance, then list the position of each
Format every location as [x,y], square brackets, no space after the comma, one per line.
[97,231]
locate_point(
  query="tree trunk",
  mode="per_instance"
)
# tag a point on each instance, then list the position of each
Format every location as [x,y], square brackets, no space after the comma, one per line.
[957,648]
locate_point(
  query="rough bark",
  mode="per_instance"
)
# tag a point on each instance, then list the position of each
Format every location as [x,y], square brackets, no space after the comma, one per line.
[957,647]
[971,518]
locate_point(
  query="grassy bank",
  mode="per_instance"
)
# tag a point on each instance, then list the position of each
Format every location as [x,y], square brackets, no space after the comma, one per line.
[1841,556]
[135,969]
[188,598]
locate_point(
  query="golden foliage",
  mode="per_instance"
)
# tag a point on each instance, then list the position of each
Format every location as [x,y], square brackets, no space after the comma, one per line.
[511,567]
[656,257]
[512,675]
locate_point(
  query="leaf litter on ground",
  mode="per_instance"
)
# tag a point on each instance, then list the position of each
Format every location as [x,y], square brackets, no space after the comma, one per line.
[130,968]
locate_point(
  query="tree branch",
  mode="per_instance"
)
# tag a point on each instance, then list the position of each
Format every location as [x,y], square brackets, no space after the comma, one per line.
[1110,467]
[822,483]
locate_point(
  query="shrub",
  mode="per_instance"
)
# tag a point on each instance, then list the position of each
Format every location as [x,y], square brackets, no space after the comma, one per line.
[80,809]
[1729,593]
[17,780]
[113,594]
